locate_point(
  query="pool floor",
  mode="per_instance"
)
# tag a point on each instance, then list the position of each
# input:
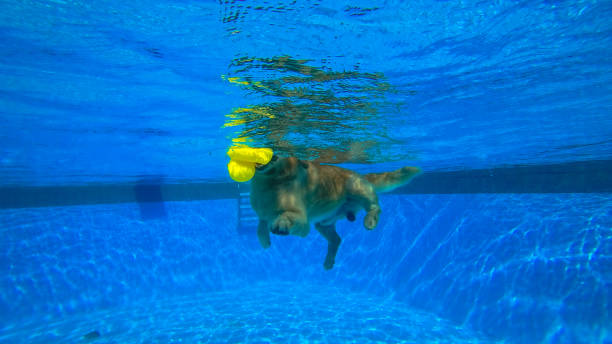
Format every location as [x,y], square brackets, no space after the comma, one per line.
[264,313]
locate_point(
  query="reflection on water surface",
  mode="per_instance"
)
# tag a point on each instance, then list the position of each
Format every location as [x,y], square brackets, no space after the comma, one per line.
[312,112]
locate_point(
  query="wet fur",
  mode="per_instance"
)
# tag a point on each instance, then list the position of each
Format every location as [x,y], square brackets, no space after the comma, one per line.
[288,194]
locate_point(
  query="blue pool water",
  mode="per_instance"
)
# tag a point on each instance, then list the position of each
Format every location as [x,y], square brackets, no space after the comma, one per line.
[120,224]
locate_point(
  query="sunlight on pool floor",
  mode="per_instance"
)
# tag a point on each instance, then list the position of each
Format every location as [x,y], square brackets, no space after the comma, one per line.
[271,312]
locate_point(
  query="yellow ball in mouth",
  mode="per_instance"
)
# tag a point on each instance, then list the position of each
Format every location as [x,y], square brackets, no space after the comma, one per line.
[241,171]
[248,154]
[244,159]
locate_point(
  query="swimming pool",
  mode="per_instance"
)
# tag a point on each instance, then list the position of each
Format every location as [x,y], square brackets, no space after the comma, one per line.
[120,224]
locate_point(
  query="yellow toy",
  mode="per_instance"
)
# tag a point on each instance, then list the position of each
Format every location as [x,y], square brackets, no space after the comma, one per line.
[243,160]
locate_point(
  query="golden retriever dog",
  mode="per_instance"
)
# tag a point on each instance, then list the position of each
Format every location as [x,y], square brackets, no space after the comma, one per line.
[289,194]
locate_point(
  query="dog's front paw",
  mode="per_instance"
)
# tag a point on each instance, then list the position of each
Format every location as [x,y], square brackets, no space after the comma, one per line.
[264,241]
[328,264]
[278,231]
[281,226]
[263,235]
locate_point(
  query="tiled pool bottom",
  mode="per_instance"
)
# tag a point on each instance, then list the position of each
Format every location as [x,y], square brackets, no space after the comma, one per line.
[263,313]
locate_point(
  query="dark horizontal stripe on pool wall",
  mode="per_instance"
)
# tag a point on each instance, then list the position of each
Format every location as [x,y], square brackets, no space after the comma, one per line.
[576,177]
[52,196]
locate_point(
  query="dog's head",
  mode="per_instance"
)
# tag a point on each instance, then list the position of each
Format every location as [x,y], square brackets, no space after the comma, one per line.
[280,167]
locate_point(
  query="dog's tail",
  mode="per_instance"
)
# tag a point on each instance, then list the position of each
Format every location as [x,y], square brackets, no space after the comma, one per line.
[388,181]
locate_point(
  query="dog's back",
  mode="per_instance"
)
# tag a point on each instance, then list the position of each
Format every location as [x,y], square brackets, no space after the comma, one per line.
[329,181]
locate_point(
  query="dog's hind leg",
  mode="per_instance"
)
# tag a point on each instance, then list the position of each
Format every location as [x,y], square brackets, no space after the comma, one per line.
[362,192]
[333,242]
[263,234]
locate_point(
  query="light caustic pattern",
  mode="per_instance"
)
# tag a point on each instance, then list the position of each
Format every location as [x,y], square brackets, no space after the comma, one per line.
[262,313]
